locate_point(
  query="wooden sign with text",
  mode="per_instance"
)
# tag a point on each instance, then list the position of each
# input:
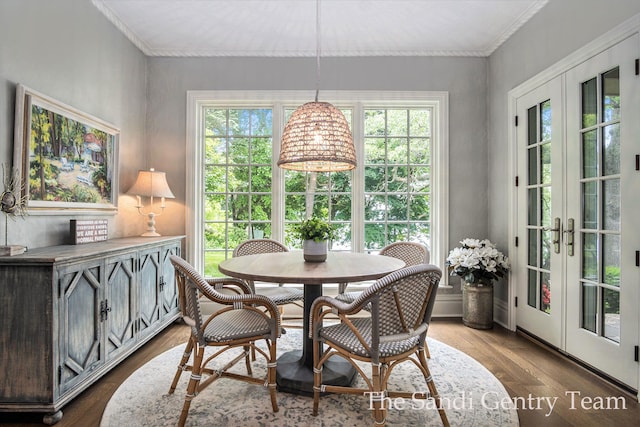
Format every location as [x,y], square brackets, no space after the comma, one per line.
[88,230]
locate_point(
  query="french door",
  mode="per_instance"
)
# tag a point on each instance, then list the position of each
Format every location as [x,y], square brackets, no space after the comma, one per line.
[577,279]
[540,157]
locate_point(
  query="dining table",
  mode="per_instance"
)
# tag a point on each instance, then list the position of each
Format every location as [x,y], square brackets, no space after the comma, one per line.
[294,371]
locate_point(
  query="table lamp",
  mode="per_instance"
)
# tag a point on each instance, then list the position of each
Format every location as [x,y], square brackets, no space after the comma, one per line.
[151,184]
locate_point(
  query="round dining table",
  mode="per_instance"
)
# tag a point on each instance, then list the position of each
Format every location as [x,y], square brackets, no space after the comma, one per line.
[295,368]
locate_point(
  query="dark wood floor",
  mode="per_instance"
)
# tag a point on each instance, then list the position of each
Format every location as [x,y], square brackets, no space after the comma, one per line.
[526,369]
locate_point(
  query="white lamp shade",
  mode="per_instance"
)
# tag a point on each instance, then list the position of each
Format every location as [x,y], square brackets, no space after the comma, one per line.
[151,184]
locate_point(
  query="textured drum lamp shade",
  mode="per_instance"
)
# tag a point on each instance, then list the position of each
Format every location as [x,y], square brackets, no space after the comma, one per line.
[317,138]
[151,184]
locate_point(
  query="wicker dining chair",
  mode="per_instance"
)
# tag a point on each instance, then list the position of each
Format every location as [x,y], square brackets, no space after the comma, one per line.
[412,253]
[396,331]
[280,295]
[245,319]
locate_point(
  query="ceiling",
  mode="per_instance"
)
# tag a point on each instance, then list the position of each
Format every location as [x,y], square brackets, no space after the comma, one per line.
[287,28]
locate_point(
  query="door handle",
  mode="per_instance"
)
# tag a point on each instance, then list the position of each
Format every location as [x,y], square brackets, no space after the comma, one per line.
[555,239]
[569,236]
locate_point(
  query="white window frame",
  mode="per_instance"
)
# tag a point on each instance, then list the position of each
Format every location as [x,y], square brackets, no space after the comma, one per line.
[358,101]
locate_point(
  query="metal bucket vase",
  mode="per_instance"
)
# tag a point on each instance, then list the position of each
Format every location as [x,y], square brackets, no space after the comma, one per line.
[314,251]
[477,306]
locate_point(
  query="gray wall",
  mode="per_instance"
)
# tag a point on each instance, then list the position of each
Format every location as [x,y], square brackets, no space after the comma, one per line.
[69,51]
[560,28]
[463,78]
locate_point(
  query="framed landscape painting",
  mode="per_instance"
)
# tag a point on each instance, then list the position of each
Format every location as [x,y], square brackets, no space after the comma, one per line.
[68,160]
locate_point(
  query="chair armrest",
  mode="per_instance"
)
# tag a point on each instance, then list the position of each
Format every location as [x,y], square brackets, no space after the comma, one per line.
[230,283]
[333,306]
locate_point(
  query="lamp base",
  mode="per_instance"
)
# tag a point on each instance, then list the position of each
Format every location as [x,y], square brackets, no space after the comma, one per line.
[151,226]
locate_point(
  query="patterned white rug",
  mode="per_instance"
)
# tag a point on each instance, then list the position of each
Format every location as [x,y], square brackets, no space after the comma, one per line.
[471,394]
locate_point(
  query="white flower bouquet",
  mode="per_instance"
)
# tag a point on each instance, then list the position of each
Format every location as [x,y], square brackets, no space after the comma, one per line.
[477,262]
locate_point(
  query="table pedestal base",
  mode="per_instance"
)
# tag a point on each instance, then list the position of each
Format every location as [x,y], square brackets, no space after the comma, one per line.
[293,376]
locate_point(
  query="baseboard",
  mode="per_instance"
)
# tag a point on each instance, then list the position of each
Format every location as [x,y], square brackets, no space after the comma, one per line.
[501,313]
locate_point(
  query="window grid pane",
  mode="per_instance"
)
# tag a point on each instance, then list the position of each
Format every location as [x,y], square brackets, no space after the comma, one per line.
[237,180]
[397,169]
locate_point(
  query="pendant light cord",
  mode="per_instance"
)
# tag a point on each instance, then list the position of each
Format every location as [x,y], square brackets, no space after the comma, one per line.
[317,48]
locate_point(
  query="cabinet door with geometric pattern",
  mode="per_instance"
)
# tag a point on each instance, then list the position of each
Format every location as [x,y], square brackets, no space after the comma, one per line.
[121,303]
[80,327]
[149,297]
[168,282]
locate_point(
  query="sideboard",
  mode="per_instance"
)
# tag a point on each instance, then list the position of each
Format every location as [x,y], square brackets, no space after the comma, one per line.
[70,313]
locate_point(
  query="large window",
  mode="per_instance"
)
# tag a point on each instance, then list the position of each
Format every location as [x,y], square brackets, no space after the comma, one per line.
[397,192]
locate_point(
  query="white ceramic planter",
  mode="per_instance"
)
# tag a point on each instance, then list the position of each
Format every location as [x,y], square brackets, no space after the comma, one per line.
[314,251]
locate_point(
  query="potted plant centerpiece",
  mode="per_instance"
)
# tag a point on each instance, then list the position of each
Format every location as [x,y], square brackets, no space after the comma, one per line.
[314,234]
[479,264]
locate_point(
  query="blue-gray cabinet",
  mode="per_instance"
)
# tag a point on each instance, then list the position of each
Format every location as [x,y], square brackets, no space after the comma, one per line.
[70,313]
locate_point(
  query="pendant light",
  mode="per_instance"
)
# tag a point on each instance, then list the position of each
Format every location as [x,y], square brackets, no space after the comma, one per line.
[317,137]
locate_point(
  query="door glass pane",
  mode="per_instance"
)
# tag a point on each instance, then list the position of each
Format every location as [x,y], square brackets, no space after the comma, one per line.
[611,300]
[611,204]
[532,206]
[545,163]
[545,121]
[590,205]
[545,253]
[532,120]
[611,95]
[533,247]
[545,206]
[532,154]
[545,292]
[589,103]
[611,149]
[532,288]
[589,307]
[611,249]
[589,154]
[590,256]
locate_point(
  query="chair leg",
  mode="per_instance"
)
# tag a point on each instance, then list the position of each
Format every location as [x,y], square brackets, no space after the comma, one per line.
[432,389]
[317,377]
[379,411]
[426,349]
[342,287]
[247,362]
[271,375]
[182,365]
[193,383]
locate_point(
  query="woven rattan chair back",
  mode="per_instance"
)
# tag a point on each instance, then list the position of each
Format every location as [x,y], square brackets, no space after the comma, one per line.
[258,246]
[412,253]
[399,304]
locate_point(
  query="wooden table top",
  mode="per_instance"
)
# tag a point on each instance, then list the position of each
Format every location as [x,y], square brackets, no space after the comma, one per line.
[290,267]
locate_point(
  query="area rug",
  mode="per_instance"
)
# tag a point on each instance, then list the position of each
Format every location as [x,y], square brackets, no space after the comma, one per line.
[472,396]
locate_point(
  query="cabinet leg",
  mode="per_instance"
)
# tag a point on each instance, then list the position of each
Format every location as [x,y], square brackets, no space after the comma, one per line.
[51,419]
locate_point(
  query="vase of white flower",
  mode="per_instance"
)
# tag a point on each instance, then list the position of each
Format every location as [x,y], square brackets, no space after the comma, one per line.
[478,263]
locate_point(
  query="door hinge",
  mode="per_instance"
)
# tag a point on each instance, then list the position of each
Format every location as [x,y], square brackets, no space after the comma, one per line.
[637,258]
[516,301]
[60,373]
[638,162]
[517,241]
[635,354]
[516,121]
[637,66]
